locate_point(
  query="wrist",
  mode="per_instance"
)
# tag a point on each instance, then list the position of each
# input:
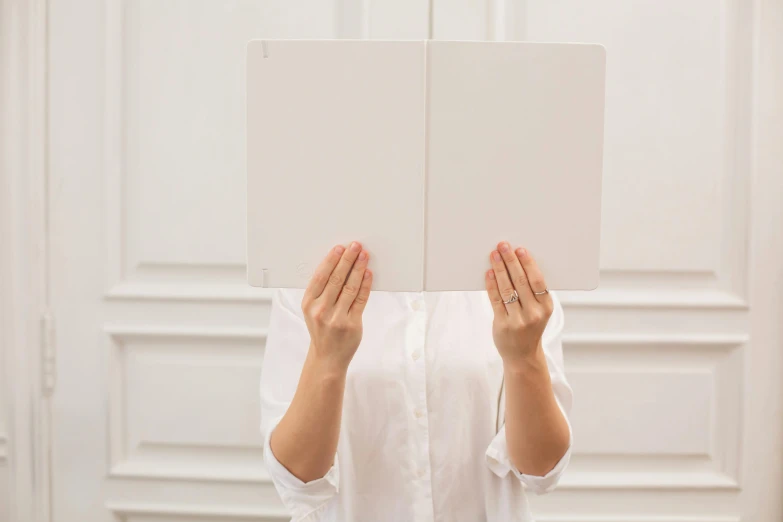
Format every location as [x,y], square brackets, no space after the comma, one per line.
[326,366]
[526,361]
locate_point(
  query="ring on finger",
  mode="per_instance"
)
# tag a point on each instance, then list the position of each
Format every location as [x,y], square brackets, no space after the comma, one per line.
[514,297]
[546,291]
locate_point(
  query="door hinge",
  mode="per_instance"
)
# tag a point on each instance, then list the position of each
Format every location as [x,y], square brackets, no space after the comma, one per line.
[48,354]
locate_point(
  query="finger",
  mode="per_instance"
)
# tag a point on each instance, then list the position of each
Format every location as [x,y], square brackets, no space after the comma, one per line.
[504,283]
[321,275]
[364,294]
[517,274]
[336,280]
[535,278]
[494,294]
[353,283]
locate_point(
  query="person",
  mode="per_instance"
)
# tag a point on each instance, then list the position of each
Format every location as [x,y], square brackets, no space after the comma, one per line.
[415,406]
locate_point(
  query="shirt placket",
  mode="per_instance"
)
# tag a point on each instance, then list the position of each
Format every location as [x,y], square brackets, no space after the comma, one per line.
[417,335]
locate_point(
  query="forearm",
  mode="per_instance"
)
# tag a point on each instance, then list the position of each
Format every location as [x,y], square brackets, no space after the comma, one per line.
[305,440]
[537,433]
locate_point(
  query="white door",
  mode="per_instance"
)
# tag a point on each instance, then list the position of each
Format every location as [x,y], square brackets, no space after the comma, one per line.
[160,342]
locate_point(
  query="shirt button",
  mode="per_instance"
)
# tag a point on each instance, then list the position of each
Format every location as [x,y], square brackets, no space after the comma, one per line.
[421,473]
[416,355]
[418,413]
[416,305]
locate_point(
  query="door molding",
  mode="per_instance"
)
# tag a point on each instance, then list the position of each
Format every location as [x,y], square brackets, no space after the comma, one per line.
[762,471]
[23,256]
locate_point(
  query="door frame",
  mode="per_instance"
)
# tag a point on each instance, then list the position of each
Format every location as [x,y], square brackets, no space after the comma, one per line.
[762,473]
[23,257]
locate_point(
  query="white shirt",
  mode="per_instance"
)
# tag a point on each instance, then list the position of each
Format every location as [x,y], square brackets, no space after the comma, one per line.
[422,437]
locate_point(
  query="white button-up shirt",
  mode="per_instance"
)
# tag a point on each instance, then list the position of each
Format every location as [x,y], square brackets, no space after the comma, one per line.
[422,437]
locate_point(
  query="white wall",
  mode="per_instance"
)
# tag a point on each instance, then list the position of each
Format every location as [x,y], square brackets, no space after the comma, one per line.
[6,276]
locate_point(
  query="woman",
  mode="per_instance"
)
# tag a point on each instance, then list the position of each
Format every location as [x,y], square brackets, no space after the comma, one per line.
[402,408]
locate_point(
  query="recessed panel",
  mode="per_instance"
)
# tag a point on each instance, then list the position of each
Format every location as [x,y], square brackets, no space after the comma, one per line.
[187,408]
[667,145]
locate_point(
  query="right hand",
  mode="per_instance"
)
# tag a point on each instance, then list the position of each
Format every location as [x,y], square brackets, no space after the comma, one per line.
[334,302]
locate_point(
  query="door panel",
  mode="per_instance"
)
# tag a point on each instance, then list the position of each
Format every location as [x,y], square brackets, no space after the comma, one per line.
[657,354]
[161,344]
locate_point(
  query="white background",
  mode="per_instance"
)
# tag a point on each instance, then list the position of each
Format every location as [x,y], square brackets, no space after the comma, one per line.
[122,214]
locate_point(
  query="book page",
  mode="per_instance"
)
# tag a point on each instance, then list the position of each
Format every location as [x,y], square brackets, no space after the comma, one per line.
[514,153]
[335,151]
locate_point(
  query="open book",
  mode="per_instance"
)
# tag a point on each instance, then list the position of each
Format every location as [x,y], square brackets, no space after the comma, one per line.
[429,153]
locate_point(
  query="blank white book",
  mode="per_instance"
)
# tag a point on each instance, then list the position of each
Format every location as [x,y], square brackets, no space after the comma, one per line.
[429,153]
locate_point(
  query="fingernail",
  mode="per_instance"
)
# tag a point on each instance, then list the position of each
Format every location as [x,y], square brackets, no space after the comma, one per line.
[339,249]
[496,255]
[504,247]
[355,247]
[521,252]
[491,274]
[362,256]
[366,274]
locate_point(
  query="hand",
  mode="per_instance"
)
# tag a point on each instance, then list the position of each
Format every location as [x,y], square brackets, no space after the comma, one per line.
[333,304]
[518,326]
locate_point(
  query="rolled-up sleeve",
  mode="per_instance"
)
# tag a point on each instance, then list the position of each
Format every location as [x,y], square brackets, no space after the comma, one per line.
[284,355]
[497,456]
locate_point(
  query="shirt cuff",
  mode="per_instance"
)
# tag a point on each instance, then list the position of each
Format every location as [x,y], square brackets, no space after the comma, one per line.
[305,500]
[500,463]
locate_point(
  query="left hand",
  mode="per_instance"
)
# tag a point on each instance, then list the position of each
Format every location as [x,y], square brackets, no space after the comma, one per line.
[519,326]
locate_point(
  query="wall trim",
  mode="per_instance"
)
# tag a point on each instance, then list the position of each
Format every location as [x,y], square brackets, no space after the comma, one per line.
[763,400]
[23,258]
[129,510]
